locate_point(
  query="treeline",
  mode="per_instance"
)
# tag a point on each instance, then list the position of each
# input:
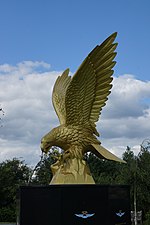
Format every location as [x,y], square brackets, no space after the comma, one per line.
[136,171]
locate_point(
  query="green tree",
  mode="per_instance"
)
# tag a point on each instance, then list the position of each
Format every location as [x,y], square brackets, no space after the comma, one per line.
[143,181]
[147,218]
[104,171]
[13,173]
[128,171]
[43,173]
[136,174]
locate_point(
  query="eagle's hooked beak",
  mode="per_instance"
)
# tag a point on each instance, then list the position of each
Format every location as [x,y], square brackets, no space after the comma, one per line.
[45,146]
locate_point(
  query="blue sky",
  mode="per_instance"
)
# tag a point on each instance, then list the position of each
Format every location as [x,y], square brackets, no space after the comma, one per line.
[62,33]
[41,38]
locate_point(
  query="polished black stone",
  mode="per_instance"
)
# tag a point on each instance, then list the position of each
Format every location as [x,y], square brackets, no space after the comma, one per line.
[75,205]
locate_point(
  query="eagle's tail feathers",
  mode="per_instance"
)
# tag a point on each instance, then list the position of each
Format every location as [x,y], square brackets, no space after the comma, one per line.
[103,153]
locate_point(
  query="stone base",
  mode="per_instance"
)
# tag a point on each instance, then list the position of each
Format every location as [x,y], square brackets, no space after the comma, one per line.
[75,205]
[75,171]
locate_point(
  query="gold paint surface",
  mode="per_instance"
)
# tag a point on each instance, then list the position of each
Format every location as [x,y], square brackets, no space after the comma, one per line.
[78,102]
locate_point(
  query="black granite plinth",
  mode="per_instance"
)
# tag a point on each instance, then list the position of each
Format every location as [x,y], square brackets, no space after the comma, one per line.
[75,205]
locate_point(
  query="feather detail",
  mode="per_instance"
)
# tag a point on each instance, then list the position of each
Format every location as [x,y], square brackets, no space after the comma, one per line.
[90,86]
[58,95]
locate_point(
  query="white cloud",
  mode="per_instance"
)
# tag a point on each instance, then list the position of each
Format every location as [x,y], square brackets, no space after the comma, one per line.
[129,97]
[25,96]
[27,67]
[28,109]
[125,119]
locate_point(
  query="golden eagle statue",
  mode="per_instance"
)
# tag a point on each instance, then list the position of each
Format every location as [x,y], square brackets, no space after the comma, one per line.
[78,102]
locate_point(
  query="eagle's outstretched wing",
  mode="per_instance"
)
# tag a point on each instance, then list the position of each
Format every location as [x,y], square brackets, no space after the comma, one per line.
[87,92]
[58,96]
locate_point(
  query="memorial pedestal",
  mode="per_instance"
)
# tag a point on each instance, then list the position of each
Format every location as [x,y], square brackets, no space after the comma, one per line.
[75,205]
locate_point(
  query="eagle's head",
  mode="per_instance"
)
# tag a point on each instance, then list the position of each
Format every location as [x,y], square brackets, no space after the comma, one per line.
[47,142]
